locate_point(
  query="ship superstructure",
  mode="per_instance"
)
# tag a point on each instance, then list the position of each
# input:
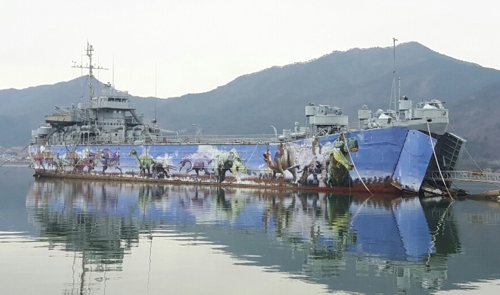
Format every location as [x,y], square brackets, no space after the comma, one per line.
[107,118]
[387,151]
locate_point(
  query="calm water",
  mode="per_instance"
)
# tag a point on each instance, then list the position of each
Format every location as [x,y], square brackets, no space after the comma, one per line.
[70,237]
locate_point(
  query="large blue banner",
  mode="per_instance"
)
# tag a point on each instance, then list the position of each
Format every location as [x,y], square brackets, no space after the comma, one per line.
[368,157]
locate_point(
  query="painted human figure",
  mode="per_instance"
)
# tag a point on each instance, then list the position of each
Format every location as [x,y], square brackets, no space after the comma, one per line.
[316,144]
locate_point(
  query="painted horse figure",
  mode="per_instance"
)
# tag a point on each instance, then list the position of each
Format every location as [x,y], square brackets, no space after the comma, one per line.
[313,161]
[284,159]
[37,158]
[228,161]
[80,161]
[109,159]
[161,170]
[197,162]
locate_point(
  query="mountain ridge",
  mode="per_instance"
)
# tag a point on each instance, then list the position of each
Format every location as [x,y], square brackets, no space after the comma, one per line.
[277,95]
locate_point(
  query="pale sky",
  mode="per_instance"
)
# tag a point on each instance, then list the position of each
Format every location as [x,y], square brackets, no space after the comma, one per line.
[174,47]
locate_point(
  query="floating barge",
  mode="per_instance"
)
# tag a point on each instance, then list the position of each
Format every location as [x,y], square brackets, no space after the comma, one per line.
[385,151]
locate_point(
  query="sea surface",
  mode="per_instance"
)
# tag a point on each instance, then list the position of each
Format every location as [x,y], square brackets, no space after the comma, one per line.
[75,237]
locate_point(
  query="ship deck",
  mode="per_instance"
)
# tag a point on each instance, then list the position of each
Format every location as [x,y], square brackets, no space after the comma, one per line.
[381,189]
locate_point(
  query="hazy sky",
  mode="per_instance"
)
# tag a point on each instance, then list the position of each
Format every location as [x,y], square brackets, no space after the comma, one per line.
[174,47]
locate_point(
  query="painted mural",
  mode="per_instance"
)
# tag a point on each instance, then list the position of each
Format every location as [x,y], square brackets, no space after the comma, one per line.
[369,157]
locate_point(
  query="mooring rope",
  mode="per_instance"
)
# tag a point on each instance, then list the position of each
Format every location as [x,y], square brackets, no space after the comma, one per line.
[466,150]
[435,158]
[359,210]
[438,228]
[8,160]
[354,165]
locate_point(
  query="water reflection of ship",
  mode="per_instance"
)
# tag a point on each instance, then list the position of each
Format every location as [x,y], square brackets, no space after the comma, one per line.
[74,217]
[338,235]
[397,238]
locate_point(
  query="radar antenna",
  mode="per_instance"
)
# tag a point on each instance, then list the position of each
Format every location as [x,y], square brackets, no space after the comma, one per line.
[90,67]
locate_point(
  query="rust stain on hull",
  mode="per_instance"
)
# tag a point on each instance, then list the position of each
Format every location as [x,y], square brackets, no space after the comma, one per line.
[257,183]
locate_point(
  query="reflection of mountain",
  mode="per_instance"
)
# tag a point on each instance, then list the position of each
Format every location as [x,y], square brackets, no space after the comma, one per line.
[344,242]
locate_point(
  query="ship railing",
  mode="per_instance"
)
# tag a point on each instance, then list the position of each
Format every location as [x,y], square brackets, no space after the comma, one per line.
[223,139]
[472,176]
[184,139]
[353,126]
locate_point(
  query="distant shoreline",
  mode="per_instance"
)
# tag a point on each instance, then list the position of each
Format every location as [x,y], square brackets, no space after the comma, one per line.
[16,164]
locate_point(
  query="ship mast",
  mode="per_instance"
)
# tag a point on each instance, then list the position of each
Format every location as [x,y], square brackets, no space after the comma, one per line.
[90,67]
[393,90]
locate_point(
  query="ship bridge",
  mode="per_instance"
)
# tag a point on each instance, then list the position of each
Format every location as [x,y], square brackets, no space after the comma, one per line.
[115,102]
